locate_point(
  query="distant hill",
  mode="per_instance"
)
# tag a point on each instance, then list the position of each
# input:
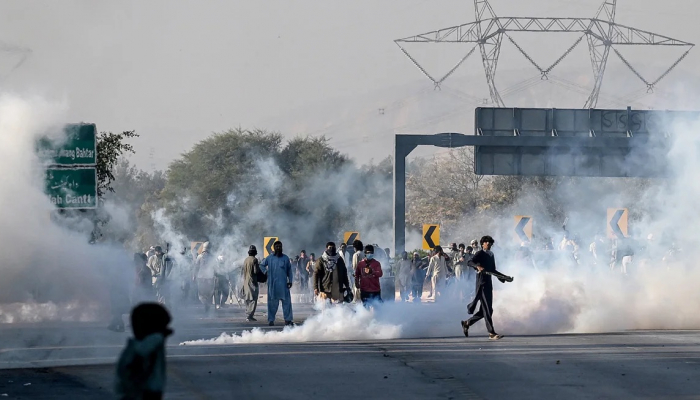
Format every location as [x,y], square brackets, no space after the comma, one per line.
[364,126]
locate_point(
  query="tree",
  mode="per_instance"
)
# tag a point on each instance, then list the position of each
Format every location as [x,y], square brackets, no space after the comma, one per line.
[217,183]
[245,183]
[110,147]
[443,190]
[307,155]
[136,193]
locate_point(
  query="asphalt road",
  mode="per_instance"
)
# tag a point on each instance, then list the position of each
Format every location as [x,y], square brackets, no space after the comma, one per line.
[75,361]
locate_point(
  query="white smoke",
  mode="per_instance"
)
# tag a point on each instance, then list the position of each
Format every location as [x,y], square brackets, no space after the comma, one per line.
[342,322]
[48,272]
[560,297]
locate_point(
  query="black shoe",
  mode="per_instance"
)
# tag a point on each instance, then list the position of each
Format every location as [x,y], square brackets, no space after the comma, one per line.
[250,319]
[272,323]
[289,323]
[465,328]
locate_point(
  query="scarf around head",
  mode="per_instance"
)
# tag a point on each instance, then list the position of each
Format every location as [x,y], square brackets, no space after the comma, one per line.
[329,261]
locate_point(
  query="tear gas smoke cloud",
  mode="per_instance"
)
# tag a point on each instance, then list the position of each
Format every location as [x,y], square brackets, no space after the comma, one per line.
[559,298]
[48,272]
[256,208]
[331,323]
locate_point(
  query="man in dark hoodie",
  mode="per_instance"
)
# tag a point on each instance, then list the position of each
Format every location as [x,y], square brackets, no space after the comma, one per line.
[331,276]
[483,261]
[141,365]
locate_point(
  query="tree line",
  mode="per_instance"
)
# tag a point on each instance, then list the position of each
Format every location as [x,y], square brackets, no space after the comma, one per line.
[254,183]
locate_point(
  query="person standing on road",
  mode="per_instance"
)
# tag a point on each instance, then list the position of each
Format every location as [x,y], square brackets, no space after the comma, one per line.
[143,290]
[221,284]
[437,271]
[459,263]
[346,255]
[367,276]
[404,276]
[204,276]
[303,273]
[468,271]
[280,276]
[418,268]
[251,291]
[310,265]
[475,245]
[482,261]
[343,253]
[356,258]
[156,263]
[331,276]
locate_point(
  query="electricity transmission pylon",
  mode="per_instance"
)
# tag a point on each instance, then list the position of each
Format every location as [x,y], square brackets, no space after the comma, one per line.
[602,34]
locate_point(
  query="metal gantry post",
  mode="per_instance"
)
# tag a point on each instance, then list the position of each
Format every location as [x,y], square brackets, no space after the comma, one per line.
[402,148]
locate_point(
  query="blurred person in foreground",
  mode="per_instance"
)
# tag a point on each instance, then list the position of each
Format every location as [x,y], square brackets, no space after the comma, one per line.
[280,276]
[367,276]
[140,370]
[483,261]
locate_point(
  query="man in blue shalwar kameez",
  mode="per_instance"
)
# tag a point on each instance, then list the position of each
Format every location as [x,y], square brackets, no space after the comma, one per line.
[278,269]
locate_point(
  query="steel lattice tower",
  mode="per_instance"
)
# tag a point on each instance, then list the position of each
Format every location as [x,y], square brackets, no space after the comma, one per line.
[601,32]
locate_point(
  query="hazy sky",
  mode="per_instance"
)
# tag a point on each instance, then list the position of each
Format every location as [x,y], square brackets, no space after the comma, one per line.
[178,70]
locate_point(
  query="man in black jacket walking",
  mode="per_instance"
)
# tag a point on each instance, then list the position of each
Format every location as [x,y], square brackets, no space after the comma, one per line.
[483,261]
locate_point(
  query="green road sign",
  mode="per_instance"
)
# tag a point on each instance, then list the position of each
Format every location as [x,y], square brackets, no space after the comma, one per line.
[72,188]
[79,147]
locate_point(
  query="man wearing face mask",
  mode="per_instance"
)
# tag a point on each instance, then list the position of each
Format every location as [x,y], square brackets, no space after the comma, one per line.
[331,276]
[280,276]
[367,276]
